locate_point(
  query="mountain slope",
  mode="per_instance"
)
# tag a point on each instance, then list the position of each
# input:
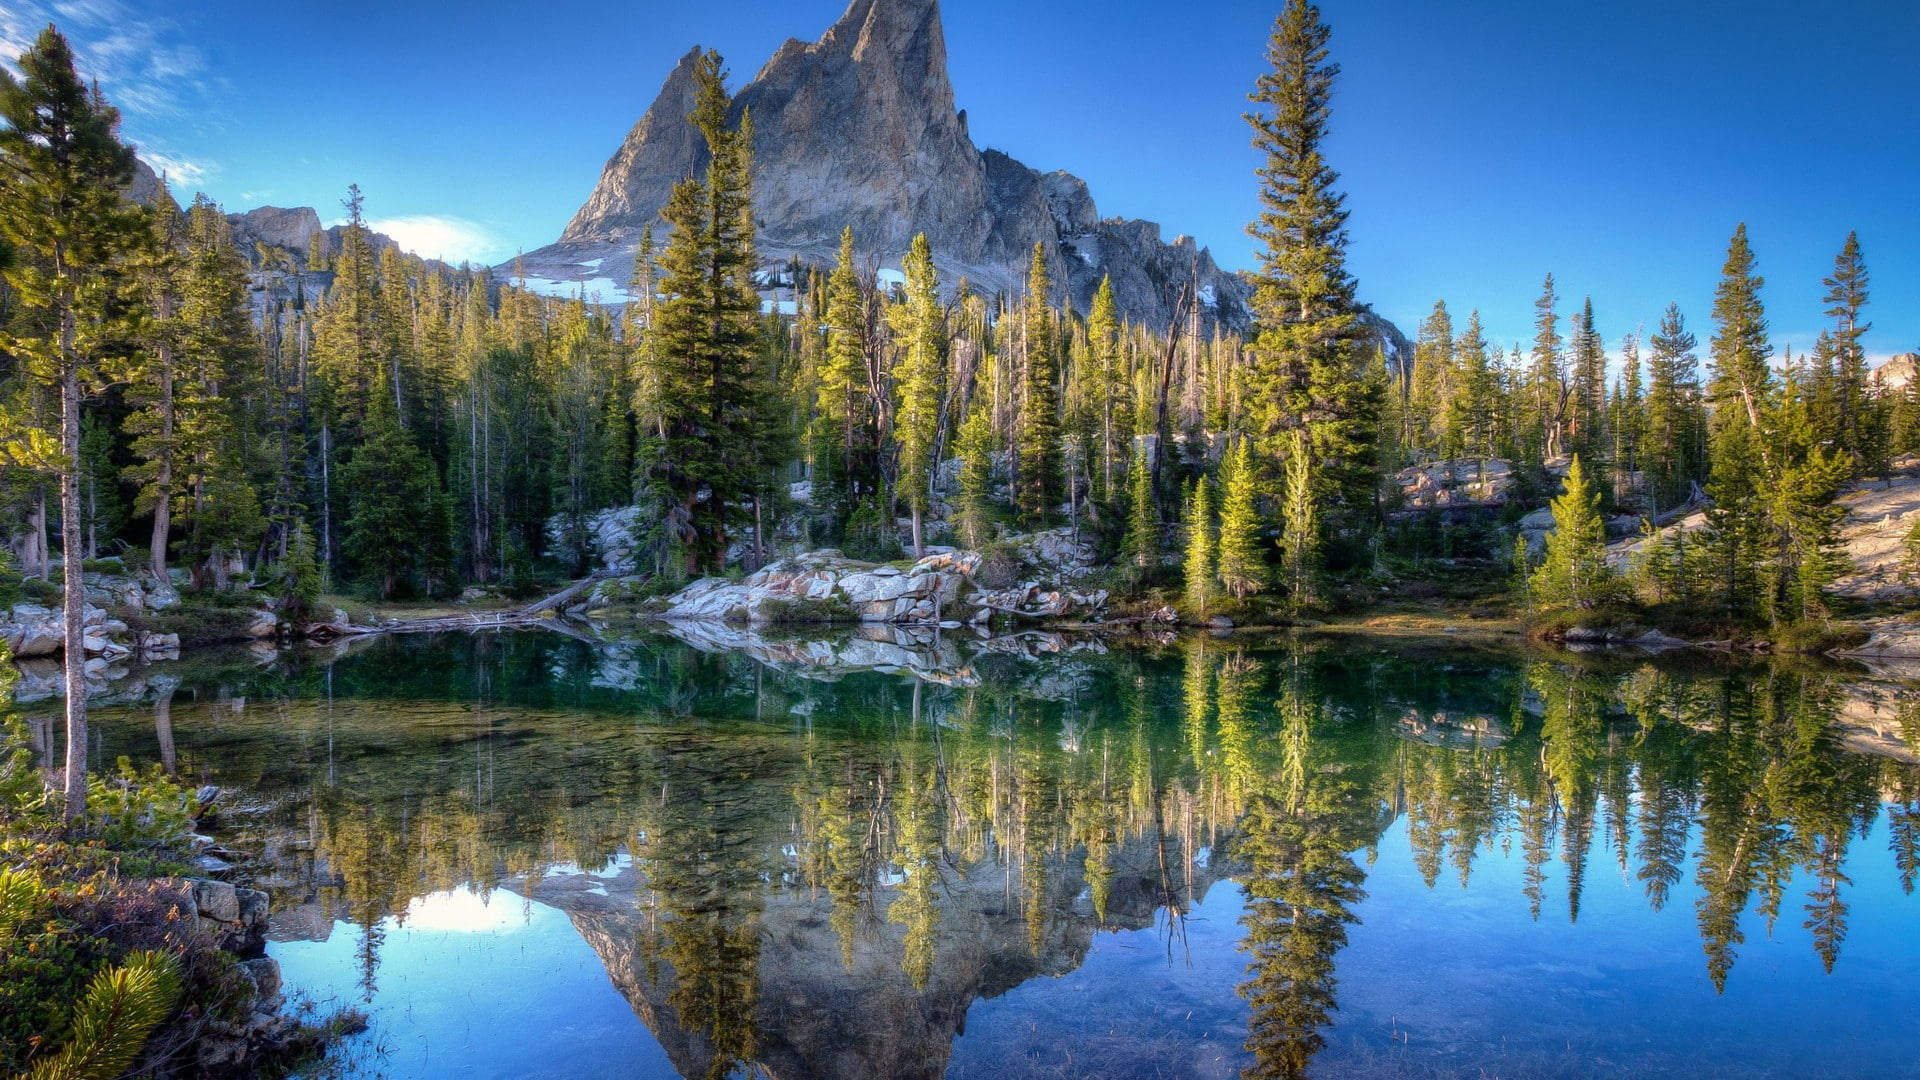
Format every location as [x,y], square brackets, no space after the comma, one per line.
[860,128]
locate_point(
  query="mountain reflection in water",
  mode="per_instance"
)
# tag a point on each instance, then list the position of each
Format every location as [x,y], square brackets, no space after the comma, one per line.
[791,864]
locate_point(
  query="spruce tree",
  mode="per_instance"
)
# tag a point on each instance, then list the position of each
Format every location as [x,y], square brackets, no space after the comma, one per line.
[717,403]
[1546,378]
[216,507]
[1308,362]
[1741,391]
[1038,477]
[1300,530]
[1241,568]
[1846,298]
[1199,563]
[154,421]
[1428,388]
[1143,523]
[1575,573]
[920,327]
[62,216]
[1473,412]
[1675,425]
[1104,354]
[973,510]
[1587,393]
[390,485]
[845,433]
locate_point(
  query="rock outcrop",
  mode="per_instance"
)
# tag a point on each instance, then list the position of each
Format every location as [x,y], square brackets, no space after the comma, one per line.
[860,128]
[274,226]
[824,586]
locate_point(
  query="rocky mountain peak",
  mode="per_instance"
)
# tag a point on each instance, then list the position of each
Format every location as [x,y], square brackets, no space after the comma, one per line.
[860,129]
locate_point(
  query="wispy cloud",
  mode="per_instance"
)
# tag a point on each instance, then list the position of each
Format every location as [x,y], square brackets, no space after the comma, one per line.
[184,176]
[448,239]
[147,66]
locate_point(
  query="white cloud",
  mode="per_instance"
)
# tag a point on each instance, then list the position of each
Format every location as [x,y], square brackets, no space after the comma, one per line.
[448,239]
[184,176]
[147,66]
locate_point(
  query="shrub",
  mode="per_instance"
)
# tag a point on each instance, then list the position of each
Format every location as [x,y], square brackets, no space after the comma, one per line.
[802,609]
[1000,565]
[870,537]
[136,811]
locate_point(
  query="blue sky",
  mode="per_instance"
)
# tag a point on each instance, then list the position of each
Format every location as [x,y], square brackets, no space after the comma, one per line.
[1482,143]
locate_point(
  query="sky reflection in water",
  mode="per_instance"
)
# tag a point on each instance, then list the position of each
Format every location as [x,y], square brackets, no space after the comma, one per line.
[1384,862]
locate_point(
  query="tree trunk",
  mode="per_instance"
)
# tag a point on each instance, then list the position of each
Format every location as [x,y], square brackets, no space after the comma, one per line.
[163,472]
[326,499]
[36,560]
[163,725]
[74,592]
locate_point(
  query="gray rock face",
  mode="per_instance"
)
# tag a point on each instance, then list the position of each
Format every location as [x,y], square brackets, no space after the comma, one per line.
[275,226]
[860,128]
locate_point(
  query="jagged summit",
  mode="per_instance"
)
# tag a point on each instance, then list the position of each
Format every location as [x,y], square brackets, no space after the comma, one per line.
[860,128]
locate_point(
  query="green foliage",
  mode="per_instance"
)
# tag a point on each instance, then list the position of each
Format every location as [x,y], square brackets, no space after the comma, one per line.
[1910,552]
[300,580]
[111,1022]
[870,535]
[138,810]
[717,417]
[1311,370]
[391,485]
[920,325]
[1241,568]
[973,508]
[10,580]
[802,610]
[1142,545]
[1038,472]
[1199,562]
[1575,573]
[1300,531]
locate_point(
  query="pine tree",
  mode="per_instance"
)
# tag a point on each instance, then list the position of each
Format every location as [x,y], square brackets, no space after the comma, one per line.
[1300,530]
[154,422]
[62,216]
[1587,391]
[390,486]
[920,326]
[1627,417]
[1846,298]
[300,578]
[1143,523]
[1241,568]
[845,432]
[717,402]
[1575,573]
[973,508]
[1038,478]
[1199,561]
[1473,412]
[1308,364]
[1430,386]
[1546,378]
[1741,392]
[215,501]
[1104,354]
[1675,425]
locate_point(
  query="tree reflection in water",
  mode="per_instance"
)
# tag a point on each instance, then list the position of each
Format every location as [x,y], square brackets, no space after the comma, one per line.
[945,838]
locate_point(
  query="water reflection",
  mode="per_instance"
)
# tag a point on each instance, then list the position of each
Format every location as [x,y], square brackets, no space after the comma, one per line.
[792,875]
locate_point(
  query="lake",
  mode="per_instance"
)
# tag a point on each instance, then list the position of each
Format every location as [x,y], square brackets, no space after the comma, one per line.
[540,855]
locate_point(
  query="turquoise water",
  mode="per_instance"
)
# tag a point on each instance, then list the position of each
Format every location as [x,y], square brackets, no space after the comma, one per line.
[534,855]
